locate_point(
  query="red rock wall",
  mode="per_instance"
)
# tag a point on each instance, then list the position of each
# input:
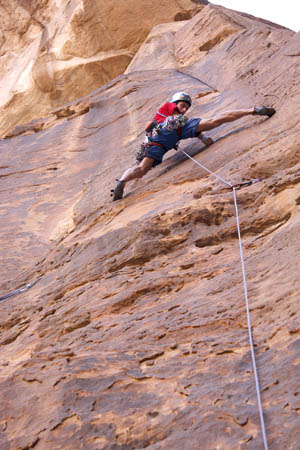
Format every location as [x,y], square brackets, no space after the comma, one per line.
[135,334]
[52,52]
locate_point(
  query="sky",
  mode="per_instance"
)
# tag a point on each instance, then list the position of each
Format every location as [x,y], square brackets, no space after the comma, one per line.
[282,12]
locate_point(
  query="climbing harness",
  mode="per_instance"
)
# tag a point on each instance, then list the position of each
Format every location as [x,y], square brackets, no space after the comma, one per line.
[18,291]
[234,189]
[153,129]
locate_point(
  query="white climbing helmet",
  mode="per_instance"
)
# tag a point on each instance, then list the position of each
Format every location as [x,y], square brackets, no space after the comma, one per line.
[181,97]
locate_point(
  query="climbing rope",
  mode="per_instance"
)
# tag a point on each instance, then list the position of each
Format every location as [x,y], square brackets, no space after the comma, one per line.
[234,189]
[18,291]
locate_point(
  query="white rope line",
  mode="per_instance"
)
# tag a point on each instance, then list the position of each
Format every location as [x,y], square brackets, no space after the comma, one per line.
[207,170]
[246,296]
[249,324]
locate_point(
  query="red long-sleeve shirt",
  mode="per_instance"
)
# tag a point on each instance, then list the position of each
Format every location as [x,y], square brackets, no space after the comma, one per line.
[164,111]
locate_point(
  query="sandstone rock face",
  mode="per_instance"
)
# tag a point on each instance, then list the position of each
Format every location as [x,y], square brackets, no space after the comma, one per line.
[135,333]
[52,52]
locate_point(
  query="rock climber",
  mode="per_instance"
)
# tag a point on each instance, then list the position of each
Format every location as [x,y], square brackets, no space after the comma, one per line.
[170,125]
[178,105]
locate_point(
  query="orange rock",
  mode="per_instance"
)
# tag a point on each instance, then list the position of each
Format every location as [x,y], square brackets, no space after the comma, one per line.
[55,52]
[135,335]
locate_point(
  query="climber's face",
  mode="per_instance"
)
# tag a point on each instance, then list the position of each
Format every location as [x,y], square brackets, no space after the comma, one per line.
[182,107]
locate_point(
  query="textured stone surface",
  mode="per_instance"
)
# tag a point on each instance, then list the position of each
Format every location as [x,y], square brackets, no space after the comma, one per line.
[52,52]
[135,335]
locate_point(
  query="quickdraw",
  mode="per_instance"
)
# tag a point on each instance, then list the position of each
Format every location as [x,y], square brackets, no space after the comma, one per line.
[247,183]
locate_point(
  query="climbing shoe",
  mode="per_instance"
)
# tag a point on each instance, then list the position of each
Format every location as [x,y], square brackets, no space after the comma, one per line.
[117,193]
[264,111]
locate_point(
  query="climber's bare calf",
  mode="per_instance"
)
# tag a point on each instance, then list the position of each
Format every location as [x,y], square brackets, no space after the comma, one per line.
[227,116]
[131,174]
[137,172]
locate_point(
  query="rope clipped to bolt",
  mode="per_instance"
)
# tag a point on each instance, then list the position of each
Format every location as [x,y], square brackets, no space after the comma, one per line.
[234,189]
